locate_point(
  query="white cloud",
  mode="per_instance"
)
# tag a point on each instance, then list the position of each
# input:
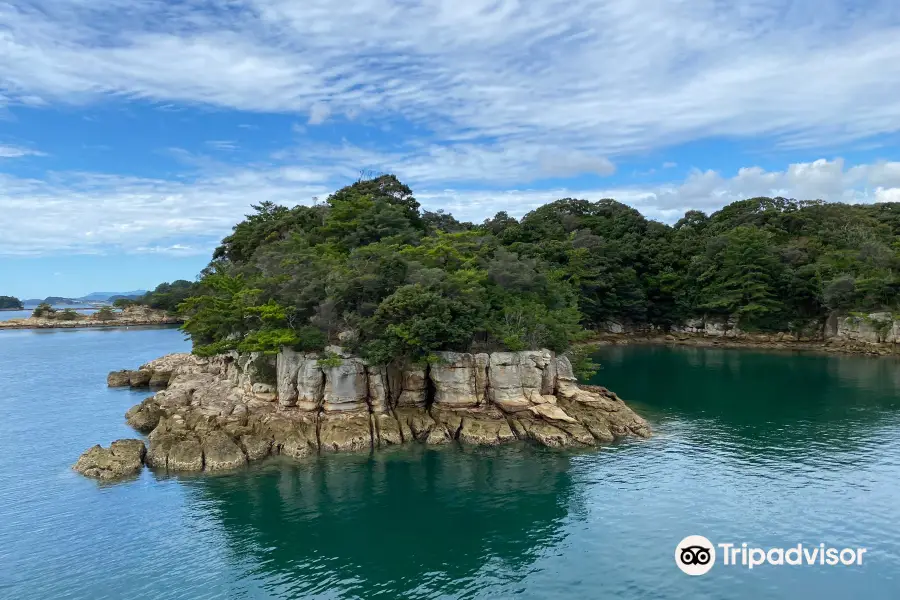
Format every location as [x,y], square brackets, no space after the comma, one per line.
[604,77]
[17,152]
[318,114]
[223,145]
[887,194]
[92,213]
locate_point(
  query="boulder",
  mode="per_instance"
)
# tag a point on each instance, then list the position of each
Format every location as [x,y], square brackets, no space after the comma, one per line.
[600,413]
[485,427]
[118,379]
[448,420]
[527,426]
[345,431]
[123,458]
[438,436]
[290,434]
[415,423]
[170,363]
[591,420]
[145,416]
[255,446]
[160,444]
[221,453]
[551,412]
[386,429]
[139,378]
[159,379]
[186,455]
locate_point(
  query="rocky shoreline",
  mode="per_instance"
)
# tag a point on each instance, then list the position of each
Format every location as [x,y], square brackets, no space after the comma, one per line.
[759,342]
[222,412]
[130,317]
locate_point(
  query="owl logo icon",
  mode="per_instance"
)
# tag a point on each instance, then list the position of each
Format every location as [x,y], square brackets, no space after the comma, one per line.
[695,555]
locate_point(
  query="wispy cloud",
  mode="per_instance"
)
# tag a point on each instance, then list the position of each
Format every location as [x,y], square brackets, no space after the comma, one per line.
[319,113]
[18,152]
[474,96]
[222,145]
[90,213]
[604,78]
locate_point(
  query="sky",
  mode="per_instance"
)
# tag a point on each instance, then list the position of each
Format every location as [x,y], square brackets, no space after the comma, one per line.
[135,133]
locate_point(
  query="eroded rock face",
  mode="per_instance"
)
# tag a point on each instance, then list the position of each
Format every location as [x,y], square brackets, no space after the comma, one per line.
[122,459]
[517,380]
[345,431]
[219,413]
[454,380]
[346,386]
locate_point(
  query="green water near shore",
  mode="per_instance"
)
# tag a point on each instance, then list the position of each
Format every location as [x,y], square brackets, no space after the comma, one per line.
[772,449]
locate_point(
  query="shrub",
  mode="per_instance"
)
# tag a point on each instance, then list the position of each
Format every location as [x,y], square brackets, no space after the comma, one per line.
[105,313]
[43,310]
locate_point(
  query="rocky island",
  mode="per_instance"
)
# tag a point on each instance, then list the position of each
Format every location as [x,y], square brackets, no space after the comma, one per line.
[224,411]
[365,321]
[131,316]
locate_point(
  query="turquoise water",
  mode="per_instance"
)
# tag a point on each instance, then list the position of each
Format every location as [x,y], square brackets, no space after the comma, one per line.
[772,449]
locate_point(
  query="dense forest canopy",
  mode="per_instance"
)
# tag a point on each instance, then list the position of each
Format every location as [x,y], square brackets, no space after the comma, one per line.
[408,282]
[11,302]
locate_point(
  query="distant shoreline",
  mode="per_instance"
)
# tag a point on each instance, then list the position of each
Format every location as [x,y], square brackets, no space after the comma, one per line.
[845,347]
[92,325]
[27,308]
[130,317]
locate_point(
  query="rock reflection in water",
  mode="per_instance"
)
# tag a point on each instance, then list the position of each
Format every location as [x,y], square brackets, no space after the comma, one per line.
[414,522]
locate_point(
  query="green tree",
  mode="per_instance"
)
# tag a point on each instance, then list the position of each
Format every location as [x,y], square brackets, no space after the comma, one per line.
[43,310]
[105,313]
[11,302]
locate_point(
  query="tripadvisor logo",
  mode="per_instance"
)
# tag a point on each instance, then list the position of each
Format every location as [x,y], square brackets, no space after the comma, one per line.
[696,555]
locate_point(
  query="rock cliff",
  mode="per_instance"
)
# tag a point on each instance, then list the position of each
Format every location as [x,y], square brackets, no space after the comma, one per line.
[221,412]
[855,333]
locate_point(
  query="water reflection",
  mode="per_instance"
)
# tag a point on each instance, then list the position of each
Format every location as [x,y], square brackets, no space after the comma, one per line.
[771,405]
[415,522]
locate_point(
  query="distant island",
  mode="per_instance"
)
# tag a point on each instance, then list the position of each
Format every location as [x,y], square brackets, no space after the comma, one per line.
[45,316]
[94,298]
[10,303]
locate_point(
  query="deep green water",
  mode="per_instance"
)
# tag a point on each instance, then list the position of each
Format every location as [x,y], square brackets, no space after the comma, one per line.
[773,449]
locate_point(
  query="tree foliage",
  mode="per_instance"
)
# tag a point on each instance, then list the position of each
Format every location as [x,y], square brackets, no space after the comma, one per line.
[11,302]
[399,283]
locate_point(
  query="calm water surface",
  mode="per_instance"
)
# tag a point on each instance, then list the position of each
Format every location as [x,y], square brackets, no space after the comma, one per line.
[772,449]
[7,315]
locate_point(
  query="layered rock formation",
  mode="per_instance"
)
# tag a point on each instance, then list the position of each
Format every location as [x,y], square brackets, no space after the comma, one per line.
[873,328]
[220,412]
[876,333]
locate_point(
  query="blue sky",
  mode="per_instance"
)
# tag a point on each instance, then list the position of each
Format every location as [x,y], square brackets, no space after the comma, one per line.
[134,134]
